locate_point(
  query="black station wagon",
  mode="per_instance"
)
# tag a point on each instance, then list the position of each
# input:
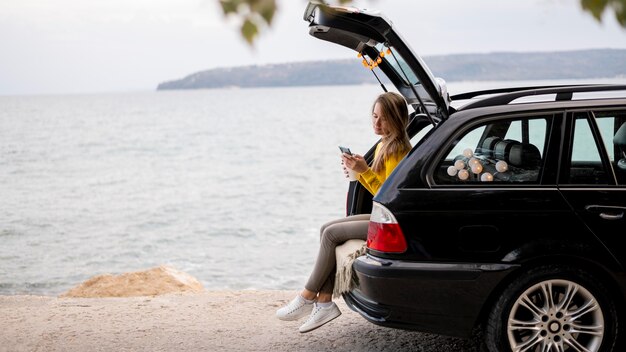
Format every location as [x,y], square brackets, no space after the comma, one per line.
[506,218]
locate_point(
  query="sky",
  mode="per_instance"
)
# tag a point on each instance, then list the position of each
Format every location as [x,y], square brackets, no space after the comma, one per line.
[77,46]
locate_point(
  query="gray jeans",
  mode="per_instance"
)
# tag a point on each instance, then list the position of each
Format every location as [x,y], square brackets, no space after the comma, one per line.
[333,234]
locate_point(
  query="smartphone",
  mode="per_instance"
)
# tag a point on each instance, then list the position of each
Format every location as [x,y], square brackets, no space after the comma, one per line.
[345,150]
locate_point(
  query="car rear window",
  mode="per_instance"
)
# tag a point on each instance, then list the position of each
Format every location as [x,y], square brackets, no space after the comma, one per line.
[398,64]
[505,151]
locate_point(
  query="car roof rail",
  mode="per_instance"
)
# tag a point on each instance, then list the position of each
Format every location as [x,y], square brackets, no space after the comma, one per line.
[562,92]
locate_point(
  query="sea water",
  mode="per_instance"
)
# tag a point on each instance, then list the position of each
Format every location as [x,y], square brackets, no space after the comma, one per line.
[228,185]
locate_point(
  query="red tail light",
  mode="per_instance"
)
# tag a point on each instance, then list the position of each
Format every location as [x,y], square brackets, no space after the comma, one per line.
[384,233]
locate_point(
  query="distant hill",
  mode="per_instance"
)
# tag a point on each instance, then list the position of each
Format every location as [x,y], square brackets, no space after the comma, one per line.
[580,64]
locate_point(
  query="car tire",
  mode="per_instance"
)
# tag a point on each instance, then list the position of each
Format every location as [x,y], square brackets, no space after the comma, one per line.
[553,326]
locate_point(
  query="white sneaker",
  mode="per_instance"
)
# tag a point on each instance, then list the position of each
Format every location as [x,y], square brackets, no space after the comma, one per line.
[320,316]
[296,309]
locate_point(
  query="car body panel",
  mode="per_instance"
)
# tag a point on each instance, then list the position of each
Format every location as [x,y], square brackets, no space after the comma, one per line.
[389,293]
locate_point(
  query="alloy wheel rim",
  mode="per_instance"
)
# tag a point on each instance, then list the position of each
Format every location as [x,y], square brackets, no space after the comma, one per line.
[555,315]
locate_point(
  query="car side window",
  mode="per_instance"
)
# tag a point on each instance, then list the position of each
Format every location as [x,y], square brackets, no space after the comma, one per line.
[501,151]
[614,139]
[586,166]
[419,135]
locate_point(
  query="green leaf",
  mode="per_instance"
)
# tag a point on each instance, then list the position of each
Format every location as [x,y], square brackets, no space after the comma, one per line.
[268,11]
[230,6]
[595,7]
[619,6]
[265,8]
[249,30]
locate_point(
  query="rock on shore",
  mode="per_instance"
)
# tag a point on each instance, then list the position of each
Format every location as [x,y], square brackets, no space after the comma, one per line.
[152,282]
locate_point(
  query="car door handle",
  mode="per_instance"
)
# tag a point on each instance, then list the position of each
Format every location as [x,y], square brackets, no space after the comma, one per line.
[606,216]
[607,212]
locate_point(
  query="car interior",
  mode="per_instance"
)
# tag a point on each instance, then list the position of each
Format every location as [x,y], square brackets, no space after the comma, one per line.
[501,152]
[523,159]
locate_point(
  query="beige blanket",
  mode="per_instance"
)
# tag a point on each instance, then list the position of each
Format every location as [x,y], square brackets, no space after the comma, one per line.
[346,254]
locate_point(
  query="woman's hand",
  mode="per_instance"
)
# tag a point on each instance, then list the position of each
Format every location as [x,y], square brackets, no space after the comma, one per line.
[354,162]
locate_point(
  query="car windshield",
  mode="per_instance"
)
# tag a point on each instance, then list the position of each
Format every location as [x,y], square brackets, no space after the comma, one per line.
[397,63]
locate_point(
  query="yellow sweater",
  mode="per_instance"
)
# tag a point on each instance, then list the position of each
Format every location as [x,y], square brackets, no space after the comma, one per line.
[373,180]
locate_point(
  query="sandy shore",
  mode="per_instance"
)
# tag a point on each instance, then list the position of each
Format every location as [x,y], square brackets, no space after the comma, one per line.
[206,321]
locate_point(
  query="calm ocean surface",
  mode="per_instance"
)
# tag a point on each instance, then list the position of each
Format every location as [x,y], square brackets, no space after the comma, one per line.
[230,186]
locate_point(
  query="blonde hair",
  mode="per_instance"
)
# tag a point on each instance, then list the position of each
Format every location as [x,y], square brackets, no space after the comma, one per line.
[395,113]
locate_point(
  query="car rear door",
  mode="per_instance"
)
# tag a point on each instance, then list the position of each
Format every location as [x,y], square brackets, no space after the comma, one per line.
[377,43]
[588,177]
